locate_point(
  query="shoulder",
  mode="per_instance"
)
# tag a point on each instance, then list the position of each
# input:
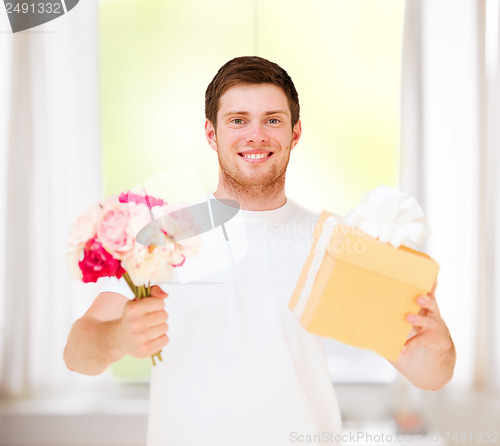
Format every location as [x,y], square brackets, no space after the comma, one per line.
[302,214]
[301,220]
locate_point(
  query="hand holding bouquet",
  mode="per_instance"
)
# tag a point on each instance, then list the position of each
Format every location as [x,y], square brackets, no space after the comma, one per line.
[131,236]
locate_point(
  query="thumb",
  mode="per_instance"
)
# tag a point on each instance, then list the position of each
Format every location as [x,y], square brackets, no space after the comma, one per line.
[415,341]
[156,291]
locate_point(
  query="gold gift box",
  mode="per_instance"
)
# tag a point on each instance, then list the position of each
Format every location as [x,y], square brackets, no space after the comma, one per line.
[362,290]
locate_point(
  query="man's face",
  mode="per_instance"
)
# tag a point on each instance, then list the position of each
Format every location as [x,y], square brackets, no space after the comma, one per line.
[254,135]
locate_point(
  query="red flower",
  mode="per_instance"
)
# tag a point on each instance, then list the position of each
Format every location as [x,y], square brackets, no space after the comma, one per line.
[127,197]
[97,262]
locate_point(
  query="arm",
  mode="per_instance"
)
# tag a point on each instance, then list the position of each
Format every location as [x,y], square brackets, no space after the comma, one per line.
[113,327]
[428,358]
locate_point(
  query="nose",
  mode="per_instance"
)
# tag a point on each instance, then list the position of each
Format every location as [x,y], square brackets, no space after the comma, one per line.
[256,134]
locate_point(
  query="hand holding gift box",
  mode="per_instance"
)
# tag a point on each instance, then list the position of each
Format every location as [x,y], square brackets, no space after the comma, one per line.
[357,289]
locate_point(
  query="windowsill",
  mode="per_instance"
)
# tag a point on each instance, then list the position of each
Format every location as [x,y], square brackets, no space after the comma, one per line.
[121,399]
[78,417]
[82,417]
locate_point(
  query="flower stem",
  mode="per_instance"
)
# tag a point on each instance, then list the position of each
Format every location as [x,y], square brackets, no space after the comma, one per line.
[130,283]
[158,355]
[141,292]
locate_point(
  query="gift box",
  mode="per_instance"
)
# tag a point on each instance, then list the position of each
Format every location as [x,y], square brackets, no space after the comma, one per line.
[357,290]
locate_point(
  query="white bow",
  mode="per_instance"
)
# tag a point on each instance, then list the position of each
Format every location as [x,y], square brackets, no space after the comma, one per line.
[392,216]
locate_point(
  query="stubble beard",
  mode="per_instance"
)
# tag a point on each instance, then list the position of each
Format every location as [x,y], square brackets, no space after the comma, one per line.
[240,185]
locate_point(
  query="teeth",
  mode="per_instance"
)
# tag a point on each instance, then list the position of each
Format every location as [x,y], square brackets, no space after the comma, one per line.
[255,156]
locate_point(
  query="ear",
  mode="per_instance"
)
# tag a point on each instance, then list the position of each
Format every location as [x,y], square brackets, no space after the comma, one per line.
[296,134]
[210,134]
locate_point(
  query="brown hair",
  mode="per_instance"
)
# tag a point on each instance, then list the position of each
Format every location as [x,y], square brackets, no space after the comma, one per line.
[249,70]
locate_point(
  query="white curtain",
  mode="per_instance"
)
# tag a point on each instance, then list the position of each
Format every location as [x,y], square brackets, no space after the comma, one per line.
[489,375]
[492,92]
[50,156]
[449,109]
[5,50]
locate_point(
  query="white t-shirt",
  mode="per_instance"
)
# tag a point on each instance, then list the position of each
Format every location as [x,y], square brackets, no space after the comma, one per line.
[239,369]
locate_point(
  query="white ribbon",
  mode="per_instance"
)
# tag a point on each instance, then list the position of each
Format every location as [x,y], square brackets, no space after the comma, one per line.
[319,255]
[392,216]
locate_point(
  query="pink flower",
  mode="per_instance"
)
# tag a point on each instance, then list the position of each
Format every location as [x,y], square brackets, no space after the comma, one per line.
[113,232]
[177,221]
[109,202]
[97,262]
[140,216]
[127,197]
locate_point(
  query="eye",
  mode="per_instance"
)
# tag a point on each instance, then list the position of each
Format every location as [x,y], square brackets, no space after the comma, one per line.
[274,121]
[237,121]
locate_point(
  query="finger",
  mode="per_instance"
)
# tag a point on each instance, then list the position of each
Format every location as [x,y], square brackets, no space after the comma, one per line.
[418,320]
[150,305]
[138,308]
[155,332]
[423,312]
[412,333]
[428,303]
[156,291]
[413,342]
[151,347]
[156,345]
[156,318]
[428,339]
[150,334]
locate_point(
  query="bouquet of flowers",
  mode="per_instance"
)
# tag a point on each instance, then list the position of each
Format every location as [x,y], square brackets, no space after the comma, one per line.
[138,237]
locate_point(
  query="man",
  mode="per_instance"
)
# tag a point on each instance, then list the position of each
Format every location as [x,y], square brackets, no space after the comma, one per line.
[239,368]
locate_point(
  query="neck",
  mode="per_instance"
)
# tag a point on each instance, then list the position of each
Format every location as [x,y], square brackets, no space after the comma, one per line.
[253,198]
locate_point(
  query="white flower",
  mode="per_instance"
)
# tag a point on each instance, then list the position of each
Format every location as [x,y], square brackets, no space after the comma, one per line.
[84,227]
[151,264]
[73,256]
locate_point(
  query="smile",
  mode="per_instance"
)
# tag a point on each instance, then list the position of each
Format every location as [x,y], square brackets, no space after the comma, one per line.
[256,156]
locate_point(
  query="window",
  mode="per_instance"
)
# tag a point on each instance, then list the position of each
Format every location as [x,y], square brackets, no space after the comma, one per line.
[158,57]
